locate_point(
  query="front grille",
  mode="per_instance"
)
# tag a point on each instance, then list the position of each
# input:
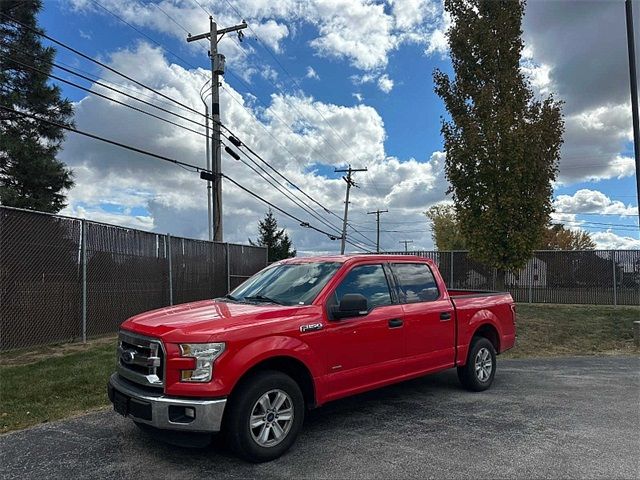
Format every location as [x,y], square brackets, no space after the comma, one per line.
[141,359]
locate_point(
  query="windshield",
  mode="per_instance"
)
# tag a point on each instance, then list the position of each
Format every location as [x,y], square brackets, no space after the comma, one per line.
[287,284]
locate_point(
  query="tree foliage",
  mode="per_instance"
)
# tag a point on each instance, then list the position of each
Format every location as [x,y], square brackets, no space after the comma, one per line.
[558,237]
[445,229]
[447,233]
[276,240]
[30,175]
[502,144]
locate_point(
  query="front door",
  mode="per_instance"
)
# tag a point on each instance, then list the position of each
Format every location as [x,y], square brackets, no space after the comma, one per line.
[365,350]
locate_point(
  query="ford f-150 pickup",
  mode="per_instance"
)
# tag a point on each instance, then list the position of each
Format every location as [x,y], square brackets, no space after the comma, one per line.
[298,334]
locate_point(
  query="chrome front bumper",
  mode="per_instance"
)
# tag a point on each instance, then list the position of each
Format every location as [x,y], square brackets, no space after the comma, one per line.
[164,412]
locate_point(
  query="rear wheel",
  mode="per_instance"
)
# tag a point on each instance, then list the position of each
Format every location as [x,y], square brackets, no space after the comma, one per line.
[265,416]
[477,375]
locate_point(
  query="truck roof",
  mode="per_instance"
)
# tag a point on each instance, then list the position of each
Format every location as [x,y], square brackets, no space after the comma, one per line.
[354,257]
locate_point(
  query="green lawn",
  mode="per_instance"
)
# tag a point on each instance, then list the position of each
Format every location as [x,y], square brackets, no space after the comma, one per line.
[59,381]
[555,330]
[44,389]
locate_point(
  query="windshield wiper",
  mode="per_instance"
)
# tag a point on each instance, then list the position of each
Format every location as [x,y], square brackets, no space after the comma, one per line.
[262,298]
[228,296]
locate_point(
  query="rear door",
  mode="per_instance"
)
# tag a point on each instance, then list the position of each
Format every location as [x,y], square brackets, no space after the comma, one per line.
[429,318]
[368,349]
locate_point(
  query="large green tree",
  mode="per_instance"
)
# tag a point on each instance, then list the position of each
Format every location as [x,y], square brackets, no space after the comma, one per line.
[502,144]
[30,174]
[276,240]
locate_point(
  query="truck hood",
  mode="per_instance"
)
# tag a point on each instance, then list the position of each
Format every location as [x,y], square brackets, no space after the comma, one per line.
[200,320]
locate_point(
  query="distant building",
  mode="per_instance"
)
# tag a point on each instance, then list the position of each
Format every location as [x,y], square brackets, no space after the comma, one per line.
[534,274]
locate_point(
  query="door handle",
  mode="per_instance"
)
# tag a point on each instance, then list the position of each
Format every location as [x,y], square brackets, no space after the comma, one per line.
[444,316]
[395,323]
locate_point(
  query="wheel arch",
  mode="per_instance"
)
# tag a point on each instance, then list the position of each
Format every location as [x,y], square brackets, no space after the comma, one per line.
[490,332]
[288,365]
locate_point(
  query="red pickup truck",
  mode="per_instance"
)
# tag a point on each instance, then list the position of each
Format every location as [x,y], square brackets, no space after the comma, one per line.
[298,334]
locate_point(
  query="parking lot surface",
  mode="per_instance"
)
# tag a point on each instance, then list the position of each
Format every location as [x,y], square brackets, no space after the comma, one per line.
[543,418]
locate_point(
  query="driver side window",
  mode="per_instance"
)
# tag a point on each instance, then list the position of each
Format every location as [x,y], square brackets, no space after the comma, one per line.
[367,280]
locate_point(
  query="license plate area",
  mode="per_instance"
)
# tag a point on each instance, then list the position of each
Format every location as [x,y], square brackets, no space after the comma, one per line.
[120,403]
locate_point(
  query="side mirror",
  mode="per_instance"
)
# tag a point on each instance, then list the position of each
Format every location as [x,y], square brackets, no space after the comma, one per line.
[351,305]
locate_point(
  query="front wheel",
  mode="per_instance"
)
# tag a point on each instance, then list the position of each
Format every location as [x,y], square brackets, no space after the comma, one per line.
[265,416]
[477,375]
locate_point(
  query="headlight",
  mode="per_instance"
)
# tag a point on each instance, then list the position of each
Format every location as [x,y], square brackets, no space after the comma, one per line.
[204,354]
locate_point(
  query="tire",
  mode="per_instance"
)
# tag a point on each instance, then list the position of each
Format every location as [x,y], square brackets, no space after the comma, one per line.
[268,397]
[477,375]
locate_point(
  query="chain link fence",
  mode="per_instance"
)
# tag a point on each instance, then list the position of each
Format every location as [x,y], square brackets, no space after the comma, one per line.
[67,279]
[598,277]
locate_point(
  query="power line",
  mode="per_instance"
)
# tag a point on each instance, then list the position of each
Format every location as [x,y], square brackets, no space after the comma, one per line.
[109,87]
[177,56]
[105,140]
[302,223]
[193,168]
[139,110]
[274,183]
[203,9]
[597,213]
[73,84]
[140,32]
[283,96]
[292,156]
[97,62]
[77,52]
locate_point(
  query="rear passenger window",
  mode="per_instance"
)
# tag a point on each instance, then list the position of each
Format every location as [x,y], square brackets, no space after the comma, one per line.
[415,282]
[368,280]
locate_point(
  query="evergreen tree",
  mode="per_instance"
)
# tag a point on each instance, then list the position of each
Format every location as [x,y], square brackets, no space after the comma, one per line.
[276,240]
[502,145]
[30,175]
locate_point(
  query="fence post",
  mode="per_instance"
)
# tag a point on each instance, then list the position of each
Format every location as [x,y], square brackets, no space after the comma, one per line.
[83,249]
[451,273]
[531,276]
[615,287]
[168,238]
[228,268]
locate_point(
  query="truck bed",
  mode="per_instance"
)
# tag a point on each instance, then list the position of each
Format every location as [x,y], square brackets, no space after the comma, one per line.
[472,306]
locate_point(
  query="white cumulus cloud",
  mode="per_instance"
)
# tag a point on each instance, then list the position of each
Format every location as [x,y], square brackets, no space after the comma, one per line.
[297,135]
[385,83]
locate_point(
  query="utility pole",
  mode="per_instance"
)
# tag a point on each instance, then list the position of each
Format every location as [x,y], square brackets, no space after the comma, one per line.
[350,183]
[208,162]
[377,214]
[406,244]
[633,78]
[217,69]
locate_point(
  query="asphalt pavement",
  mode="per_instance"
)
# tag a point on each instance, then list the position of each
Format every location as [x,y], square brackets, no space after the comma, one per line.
[543,418]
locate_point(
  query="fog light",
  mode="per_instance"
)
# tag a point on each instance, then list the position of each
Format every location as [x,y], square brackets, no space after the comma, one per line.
[180,414]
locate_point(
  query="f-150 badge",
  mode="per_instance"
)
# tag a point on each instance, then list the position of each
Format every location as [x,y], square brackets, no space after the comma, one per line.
[311,327]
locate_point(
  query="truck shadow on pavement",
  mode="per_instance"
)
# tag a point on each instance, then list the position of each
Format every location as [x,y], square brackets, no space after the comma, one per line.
[413,402]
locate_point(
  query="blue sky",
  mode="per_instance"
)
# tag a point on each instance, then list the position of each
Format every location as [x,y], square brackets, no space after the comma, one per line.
[374,85]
